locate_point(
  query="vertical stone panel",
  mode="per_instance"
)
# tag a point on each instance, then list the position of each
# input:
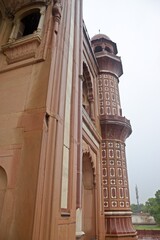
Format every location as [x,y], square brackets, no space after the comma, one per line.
[67,116]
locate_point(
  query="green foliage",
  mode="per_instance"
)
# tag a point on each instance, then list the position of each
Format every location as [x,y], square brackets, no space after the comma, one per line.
[137,209]
[152,206]
[147,227]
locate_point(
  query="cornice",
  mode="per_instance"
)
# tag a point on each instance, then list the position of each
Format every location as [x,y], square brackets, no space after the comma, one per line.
[115,127]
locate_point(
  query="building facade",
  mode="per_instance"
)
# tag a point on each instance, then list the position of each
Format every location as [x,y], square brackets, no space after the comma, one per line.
[63,172]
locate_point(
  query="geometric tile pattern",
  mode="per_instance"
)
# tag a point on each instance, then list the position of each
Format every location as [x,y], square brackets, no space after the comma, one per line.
[109,101]
[114,173]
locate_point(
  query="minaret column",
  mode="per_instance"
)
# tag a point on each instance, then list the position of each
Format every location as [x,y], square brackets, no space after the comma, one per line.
[114,129]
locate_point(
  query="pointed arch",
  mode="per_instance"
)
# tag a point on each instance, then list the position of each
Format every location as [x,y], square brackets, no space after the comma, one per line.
[88,93]
[87,78]
[87,153]
[88,196]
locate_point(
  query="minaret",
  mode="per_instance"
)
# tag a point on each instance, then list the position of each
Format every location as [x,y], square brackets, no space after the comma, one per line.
[115,129]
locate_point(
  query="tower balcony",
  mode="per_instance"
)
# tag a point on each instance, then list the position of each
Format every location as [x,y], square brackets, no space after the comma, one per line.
[115,127]
[109,62]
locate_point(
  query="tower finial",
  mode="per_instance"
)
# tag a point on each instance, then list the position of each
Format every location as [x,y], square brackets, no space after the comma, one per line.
[99,30]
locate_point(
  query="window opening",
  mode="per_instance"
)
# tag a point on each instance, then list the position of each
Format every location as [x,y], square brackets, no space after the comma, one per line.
[108,49]
[86,103]
[98,49]
[29,24]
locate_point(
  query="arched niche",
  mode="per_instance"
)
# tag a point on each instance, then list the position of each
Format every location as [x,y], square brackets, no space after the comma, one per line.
[88,172]
[88,198]
[88,94]
[3,186]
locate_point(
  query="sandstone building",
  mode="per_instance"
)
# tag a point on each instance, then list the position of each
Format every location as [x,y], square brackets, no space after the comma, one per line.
[63,173]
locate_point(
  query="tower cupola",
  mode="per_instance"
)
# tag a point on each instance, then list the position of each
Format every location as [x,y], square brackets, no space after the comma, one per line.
[101,42]
[106,54]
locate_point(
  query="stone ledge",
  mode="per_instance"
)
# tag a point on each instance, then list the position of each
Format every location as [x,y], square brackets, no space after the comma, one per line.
[21,49]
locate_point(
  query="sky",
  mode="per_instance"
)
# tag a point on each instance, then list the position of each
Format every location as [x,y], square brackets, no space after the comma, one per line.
[135,27]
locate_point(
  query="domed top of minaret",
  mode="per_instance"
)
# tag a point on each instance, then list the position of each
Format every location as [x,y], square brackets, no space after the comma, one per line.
[99,36]
[102,42]
[105,51]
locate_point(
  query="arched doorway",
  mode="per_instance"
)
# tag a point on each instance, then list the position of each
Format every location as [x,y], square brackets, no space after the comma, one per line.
[88,199]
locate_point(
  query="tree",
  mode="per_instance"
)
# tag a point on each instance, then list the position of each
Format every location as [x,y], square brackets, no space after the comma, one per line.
[134,208]
[152,206]
[137,208]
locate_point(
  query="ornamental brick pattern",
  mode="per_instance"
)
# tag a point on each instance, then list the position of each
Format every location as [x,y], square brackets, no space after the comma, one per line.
[115,180]
[109,101]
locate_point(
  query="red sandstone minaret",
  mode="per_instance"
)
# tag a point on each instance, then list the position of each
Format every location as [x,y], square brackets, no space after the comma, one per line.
[115,129]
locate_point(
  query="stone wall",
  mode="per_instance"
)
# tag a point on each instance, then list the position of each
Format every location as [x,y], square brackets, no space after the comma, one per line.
[142,218]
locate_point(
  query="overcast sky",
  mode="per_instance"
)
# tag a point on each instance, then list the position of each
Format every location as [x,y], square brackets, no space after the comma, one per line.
[135,26]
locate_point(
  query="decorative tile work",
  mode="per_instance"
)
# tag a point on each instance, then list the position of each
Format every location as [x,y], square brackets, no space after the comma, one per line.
[118,154]
[109,101]
[119,172]
[104,172]
[106,204]
[119,163]
[110,144]
[121,193]
[120,182]
[114,204]
[127,204]
[121,204]
[113,192]
[117,145]
[105,192]
[104,163]
[112,172]
[103,153]
[115,183]
[124,164]
[112,162]
[105,182]
[125,182]
[126,193]
[111,153]
[112,181]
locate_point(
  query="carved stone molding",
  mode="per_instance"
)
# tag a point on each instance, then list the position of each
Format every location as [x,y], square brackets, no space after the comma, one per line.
[86,149]
[116,127]
[88,79]
[57,10]
[21,49]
